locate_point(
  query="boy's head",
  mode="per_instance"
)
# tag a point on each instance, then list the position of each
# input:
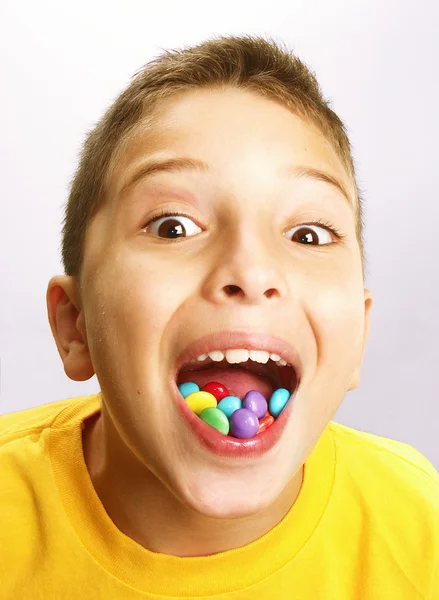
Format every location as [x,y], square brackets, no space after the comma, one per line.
[258,157]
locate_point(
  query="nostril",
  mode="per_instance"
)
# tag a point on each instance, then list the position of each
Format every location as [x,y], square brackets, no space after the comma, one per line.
[232,289]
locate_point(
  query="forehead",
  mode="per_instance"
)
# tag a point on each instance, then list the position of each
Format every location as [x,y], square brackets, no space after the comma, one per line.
[232,131]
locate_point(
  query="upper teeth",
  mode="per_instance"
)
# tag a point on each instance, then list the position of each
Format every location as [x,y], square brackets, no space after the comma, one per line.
[242,355]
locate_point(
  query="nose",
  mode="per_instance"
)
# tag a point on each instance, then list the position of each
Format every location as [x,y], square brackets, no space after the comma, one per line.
[250,270]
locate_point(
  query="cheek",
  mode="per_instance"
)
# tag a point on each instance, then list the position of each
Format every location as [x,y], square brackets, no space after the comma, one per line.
[131,307]
[338,321]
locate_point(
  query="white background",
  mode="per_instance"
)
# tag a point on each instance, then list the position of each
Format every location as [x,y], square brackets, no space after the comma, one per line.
[62,64]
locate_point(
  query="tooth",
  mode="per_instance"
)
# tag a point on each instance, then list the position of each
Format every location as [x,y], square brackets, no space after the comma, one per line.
[236,356]
[260,356]
[216,355]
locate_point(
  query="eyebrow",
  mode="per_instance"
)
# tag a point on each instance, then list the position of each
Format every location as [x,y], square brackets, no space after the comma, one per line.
[184,163]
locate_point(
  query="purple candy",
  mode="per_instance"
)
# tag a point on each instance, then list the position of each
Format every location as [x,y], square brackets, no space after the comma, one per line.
[243,423]
[255,402]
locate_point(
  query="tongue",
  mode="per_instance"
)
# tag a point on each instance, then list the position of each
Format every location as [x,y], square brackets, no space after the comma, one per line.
[237,381]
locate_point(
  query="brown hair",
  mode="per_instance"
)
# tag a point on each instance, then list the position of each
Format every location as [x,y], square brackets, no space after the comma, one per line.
[248,62]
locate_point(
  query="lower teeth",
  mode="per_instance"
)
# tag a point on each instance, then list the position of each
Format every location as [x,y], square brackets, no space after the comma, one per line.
[230,415]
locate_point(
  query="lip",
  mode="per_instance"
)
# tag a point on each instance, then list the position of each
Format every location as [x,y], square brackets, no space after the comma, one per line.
[228,446]
[237,339]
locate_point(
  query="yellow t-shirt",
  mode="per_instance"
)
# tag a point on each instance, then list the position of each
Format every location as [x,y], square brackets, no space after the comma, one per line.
[365,525]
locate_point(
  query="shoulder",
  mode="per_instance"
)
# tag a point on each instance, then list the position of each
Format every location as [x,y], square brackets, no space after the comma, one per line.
[392,489]
[61,414]
[18,424]
[393,463]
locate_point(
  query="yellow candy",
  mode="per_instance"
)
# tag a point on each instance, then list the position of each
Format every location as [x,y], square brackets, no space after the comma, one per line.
[198,401]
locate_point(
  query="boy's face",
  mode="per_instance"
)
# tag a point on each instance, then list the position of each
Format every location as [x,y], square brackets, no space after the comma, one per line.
[145,299]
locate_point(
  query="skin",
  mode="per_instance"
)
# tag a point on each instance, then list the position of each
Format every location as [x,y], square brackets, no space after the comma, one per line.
[141,300]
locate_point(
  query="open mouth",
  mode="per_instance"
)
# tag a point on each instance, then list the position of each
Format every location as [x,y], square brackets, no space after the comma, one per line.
[272,383]
[239,377]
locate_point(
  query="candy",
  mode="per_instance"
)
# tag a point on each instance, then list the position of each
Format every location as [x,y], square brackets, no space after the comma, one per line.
[216,389]
[198,401]
[188,388]
[265,423]
[230,415]
[244,423]
[216,418]
[278,400]
[255,402]
[229,404]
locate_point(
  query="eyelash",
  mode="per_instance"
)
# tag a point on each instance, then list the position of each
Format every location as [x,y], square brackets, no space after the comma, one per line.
[319,222]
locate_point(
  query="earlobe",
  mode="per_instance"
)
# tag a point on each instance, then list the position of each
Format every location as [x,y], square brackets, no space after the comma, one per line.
[66,319]
[368,301]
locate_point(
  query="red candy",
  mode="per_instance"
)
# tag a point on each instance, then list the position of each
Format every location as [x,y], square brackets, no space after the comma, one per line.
[264,423]
[216,389]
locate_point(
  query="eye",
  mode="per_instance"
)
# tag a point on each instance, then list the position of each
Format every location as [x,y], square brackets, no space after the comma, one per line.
[306,234]
[171,225]
[174,225]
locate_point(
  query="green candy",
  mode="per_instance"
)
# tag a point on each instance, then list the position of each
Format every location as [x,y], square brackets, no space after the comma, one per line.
[216,418]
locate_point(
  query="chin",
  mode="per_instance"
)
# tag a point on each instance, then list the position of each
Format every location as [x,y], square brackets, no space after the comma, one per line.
[232,501]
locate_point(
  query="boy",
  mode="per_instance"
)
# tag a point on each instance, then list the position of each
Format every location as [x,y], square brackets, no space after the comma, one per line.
[213,237]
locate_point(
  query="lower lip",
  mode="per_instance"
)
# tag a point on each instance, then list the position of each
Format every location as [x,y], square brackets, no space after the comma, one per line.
[227,446]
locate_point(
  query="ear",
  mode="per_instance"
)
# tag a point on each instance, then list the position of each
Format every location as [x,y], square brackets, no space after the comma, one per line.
[67,322]
[368,301]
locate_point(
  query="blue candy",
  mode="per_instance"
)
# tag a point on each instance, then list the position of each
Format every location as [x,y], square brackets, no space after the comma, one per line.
[277,402]
[188,388]
[229,404]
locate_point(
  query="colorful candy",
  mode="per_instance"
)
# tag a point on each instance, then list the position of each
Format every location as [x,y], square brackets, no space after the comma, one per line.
[255,402]
[216,418]
[216,389]
[229,404]
[188,388]
[230,415]
[265,423]
[198,401]
[244,423]
[278,400]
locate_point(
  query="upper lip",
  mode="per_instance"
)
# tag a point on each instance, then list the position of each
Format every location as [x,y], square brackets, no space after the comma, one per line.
[224,340]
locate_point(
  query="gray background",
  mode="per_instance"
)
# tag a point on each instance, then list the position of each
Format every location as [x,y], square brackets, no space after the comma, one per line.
[62,64]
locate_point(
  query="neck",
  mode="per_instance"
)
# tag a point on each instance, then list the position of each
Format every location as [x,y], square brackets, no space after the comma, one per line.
[144,509]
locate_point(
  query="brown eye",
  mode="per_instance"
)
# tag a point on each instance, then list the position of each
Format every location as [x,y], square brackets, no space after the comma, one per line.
[306,235]
[172,227]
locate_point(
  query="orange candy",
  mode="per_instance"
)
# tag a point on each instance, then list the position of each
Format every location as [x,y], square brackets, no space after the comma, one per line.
[265,423]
